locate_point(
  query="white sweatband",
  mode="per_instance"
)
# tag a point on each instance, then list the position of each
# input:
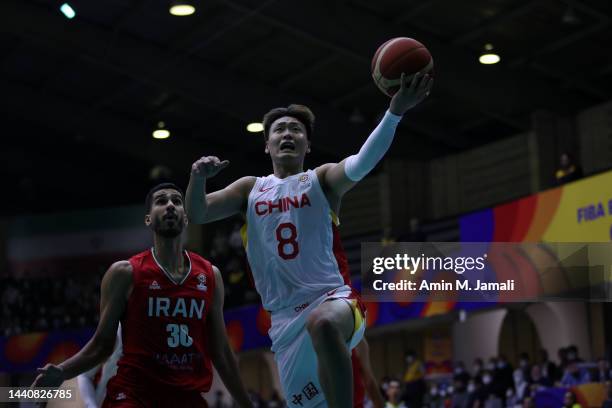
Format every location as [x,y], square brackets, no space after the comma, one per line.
[359,165]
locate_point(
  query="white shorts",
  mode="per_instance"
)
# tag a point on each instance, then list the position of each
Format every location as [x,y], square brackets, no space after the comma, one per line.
[293,351]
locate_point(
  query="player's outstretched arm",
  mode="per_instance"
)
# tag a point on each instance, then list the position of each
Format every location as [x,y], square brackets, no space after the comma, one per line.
[221,354]
[116,285]
[363,354]
[202,207]
[341,177]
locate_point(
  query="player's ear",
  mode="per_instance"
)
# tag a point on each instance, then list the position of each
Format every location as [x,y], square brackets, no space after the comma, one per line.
[147,220]
[308,150]
[266,150]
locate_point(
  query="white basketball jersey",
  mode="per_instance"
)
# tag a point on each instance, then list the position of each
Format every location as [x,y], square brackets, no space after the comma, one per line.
[289,240]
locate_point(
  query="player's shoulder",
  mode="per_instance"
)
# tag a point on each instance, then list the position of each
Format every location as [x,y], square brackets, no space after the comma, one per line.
[322,169]
[246,183]
[120,273]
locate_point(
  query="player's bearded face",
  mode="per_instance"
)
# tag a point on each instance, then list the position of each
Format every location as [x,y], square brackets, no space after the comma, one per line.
[287,139]
[167,214]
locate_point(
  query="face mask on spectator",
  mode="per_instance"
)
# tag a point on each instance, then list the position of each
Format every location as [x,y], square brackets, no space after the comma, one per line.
[486,379]
[442,393]
[450,389]
[509,393]
[433,392]
[458,370]
[490,366]
[524,363]
[471,387]
[501,364]
[477,368]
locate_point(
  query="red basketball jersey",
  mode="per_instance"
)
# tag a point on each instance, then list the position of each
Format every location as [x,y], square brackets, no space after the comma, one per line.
[165,343]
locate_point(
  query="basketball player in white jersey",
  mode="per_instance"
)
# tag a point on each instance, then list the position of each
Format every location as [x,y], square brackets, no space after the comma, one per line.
[92,383]
[316,319]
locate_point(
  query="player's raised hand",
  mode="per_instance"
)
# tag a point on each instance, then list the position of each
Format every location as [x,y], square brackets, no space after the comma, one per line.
[411,93]
[208,166]
[49,376]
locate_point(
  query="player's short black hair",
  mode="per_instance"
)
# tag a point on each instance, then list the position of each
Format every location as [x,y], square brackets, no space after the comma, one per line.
[300,112]
[162,186]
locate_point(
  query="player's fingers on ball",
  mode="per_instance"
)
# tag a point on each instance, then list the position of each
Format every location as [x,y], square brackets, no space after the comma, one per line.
[424,82]
[403,80]
[415,81]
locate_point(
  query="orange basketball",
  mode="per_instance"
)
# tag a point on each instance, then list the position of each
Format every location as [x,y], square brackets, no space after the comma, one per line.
[396,56]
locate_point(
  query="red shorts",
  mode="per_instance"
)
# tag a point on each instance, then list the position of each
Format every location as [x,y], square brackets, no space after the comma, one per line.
[118,396]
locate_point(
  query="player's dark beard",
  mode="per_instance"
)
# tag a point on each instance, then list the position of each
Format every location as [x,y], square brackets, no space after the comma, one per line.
[173,231]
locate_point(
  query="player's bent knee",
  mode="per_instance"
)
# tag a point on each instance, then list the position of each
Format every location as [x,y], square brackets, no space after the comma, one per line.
[321,325]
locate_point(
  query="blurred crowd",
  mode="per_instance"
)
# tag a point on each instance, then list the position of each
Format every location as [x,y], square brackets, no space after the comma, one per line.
[495,383]
[42,304]
[227,253]
[71,301]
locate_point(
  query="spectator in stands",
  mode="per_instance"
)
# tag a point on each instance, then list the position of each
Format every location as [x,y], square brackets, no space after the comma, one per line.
[548,368]
[460,394]
[393,395]
[477,367]
[569,400]
[459,373]
[573,354]
[563,360]
[528,403]
[608,401]
[477,393]
[414,381]
[512,399]
[537,379]
[525,364]
[602,373]
[502,376]
[433,399]
[521,386]
[568,170]
[575,375]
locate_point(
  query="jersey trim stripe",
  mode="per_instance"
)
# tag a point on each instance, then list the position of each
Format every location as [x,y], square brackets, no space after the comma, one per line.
[166,272]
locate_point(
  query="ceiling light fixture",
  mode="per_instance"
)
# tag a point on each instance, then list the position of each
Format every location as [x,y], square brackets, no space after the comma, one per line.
[161,132]
[181,8]
[489,57]
[255,127]
[67,11]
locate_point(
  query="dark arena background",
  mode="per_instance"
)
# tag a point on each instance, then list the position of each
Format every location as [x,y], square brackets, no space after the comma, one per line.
[516,151]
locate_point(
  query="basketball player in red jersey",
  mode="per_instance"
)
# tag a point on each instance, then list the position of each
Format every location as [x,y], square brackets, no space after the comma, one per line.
[316,319]
[170,304]
[364,381]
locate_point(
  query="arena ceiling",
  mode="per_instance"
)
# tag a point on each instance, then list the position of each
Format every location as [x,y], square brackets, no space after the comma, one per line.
[81,97]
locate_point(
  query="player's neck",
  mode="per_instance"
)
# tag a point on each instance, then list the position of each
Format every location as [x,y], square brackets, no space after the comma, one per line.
[283,170]
[169,253]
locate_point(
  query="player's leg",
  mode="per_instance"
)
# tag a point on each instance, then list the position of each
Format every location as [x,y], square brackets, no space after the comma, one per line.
[297,367]
[331,326]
